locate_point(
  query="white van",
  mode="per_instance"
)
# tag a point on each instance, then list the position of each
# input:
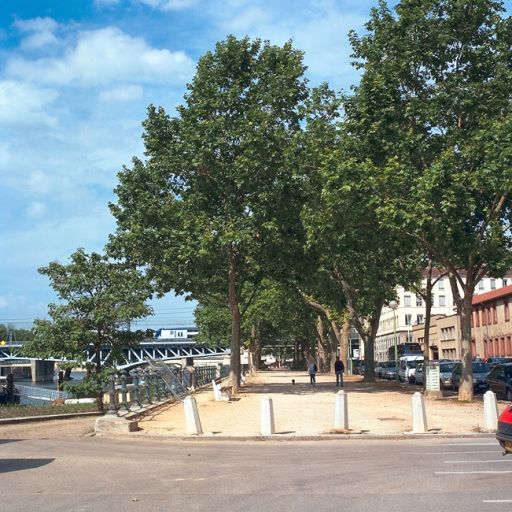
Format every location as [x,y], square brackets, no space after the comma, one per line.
[407,369]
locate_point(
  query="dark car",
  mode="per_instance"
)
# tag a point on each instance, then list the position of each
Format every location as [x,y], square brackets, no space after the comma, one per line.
[493,361]
[480,372]
[445,373]
[390,370]
[499,380]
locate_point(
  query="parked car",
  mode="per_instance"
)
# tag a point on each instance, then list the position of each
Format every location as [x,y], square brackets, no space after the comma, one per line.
[480,372]
[504,433]
[445,373]
[379,367]
[493,361]
[419,376]
[407,368]
[390,370]
[499,380]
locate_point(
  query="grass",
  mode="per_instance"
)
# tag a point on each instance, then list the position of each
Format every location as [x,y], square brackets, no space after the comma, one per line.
[22,411]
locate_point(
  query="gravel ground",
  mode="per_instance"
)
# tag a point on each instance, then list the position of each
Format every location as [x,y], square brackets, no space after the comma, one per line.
[378,408]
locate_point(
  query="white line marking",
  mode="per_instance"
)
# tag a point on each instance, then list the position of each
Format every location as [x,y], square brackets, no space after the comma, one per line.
[470,444]
[471,472]
[496,501]
[475,461]
[451,453]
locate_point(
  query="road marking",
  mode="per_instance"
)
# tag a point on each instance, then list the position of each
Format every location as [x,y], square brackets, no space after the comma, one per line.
[475,461]
[471,472]
[451,453]
[496,501]
[470,444]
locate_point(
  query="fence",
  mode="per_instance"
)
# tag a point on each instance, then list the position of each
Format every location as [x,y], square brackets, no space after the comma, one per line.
[149,385]
[31,394]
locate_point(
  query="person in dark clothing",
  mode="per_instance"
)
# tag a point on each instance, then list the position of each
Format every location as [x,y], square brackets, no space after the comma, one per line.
[339,368]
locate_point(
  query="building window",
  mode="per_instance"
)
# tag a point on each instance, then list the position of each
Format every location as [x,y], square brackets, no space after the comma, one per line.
[407,300]
[477,318]
[440,284]
[506,310]
[481,285]
[408,319]
[419,319]
[442,300]
[504,282]
[419,301]
[493,284]
[494,314]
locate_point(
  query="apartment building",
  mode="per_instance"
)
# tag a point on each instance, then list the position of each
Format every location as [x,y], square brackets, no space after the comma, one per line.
[411,313]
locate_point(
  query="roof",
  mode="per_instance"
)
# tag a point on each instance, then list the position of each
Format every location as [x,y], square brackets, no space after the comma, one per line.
[493,295]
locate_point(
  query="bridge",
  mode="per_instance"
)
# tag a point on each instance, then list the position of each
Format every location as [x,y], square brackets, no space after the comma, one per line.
[11,355]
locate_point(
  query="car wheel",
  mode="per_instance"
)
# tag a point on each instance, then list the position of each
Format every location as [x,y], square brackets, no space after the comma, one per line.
[412,380]
[509,395]
[454,387]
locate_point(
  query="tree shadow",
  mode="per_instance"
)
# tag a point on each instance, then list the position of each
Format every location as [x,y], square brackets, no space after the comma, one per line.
[5,441]
[9,465]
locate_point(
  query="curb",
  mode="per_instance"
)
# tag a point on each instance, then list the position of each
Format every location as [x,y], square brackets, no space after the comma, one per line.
[47,417]
[319,437]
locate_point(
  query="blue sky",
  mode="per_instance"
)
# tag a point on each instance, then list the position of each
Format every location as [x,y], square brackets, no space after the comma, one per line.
[76,77]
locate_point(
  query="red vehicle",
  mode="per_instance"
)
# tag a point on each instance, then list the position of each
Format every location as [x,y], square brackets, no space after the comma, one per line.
[504,433]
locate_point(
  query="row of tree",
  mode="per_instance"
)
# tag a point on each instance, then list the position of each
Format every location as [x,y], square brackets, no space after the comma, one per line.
[287,211]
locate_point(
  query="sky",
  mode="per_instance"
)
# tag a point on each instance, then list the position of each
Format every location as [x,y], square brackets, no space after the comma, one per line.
[76,77]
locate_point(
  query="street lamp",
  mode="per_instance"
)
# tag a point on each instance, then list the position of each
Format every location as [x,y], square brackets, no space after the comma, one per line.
[393,305]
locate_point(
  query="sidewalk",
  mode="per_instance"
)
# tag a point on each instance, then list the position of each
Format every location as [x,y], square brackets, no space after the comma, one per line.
[381,408]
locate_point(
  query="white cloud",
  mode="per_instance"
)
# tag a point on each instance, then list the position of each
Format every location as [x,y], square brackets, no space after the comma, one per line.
[24,103]
[36,209]
[41,30]
[38,183]
[247,20]
[122,94]
[104,56]
[37,25]
[169,5]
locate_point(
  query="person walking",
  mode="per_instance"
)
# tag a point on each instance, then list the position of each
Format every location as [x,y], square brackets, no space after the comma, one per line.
[339,368]
[312,369]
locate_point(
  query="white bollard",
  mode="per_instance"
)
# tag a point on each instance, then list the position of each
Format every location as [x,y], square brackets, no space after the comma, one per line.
[419,416]
[490,411]
[267,426]
[192,416]
[341,411]
[217,394]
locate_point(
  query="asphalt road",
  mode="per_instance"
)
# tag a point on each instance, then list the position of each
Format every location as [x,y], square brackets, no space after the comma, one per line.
[101,474]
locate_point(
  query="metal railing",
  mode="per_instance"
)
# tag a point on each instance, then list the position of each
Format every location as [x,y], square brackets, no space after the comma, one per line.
[43,394]
[156,382]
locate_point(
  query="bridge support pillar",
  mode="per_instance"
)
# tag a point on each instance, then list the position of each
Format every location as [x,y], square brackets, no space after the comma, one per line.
[42,371]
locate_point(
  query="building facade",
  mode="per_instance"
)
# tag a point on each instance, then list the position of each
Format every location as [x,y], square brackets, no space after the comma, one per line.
[410,313]
[491,328]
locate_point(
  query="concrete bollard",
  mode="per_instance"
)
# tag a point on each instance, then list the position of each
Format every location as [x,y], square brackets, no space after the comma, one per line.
[341,411]
[419,416]
[267,426]
[491,412]
[192,416]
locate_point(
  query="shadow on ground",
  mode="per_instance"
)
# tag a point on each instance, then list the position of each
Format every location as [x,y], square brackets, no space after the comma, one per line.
[8,465]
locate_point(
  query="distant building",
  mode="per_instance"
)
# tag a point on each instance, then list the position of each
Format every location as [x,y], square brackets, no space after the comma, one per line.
[491,328]
[177,334]
[411,313]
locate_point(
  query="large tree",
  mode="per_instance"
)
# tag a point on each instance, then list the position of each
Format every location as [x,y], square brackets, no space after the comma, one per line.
[214,206]
[433,114]
[97,300]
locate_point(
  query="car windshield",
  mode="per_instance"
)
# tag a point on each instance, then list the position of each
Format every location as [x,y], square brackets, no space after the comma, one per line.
[412,364]
[480,368]
[390,364]
[448,367]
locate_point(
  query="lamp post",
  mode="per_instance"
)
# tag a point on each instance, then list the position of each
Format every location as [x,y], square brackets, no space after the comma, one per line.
[393,305]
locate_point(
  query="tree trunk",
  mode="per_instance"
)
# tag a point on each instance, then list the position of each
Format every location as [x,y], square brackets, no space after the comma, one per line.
[234,360]
[464,310]
[344,342]
[99,396]
[254,349]
[466,384]
[321,345]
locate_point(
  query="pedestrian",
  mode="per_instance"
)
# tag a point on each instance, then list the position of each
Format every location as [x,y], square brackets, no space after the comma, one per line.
[339,368]
[312,369]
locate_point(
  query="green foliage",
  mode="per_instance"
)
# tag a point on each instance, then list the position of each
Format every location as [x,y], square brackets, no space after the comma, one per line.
[216,203]
[89,387]
[97,298]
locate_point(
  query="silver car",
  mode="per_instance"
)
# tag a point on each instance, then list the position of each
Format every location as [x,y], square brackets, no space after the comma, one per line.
[480,372]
